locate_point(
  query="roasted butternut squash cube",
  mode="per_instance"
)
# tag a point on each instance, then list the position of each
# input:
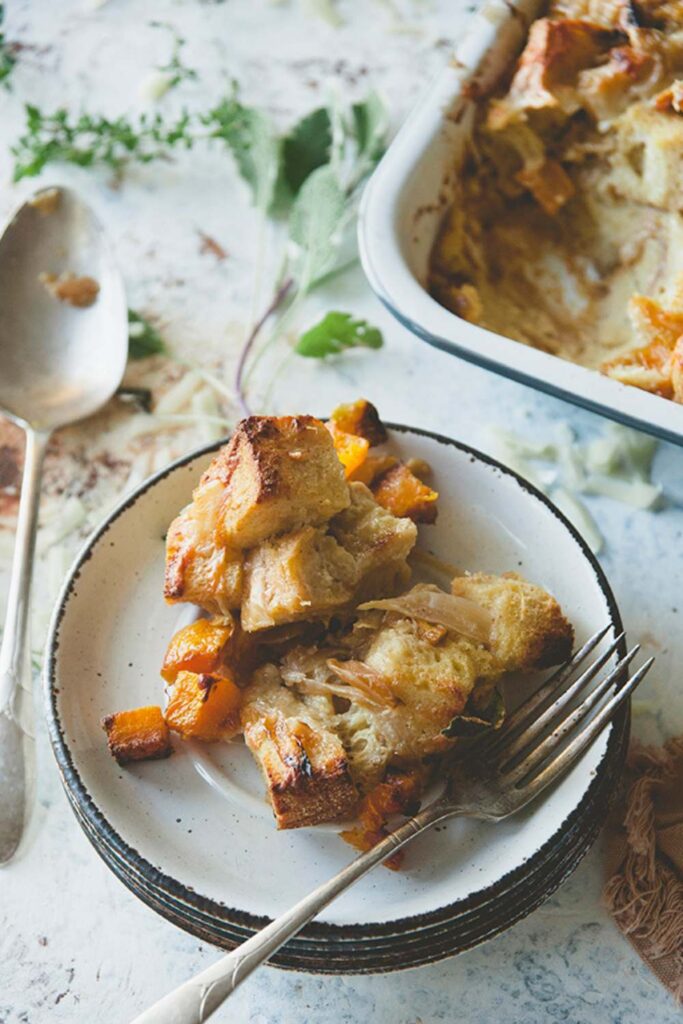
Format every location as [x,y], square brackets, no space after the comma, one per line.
[362,419]
[204,706]
[138,735]
[403,494]
[199,647]
[398,793]
[351,449]
[372,468]
[278,474]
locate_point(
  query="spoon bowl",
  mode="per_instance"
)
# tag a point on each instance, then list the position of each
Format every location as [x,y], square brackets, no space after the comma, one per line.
[60,363]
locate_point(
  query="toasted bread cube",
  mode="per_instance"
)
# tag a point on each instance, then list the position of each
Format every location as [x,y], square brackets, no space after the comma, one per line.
[198,647]
[432,682]
[199,569]
[352,450]
[529,629]
[362,419]
[378,541]
[403,494]
[303,575]
[302,760]
[204,706]
[278,473]
[138,735]
[305,769]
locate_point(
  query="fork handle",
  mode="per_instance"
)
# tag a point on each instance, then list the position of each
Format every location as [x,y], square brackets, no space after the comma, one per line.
[195,1000]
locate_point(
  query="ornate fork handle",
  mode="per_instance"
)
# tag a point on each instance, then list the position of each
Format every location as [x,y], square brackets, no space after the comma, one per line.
[195,1000]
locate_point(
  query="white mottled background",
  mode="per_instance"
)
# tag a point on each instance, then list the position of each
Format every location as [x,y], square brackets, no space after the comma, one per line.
[74,944]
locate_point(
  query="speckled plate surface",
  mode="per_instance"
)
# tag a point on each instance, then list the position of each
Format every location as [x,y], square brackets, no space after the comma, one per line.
[206,855]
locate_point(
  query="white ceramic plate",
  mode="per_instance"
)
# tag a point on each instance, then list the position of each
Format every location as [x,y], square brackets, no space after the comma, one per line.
[404,204]
[218,852]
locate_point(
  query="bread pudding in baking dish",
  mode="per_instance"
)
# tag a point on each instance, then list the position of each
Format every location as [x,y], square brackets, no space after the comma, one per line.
[567,225]
[348,679]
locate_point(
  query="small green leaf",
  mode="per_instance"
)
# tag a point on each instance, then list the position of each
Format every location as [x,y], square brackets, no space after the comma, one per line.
[252,141]
[371,125]
[335,333]
[306,147]
[316,226]
[490,717]
[143,338]
[7,57]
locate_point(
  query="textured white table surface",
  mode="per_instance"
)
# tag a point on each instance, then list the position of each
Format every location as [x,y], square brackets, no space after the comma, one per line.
[74,944]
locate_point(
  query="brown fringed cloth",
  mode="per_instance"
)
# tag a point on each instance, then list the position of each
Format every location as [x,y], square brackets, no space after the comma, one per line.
[644,891]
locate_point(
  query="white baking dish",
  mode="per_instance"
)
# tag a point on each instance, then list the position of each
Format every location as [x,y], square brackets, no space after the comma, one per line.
[404,203]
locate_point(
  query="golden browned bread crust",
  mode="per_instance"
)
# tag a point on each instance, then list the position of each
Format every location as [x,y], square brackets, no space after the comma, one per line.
[199,569]
[278,473]
[529,628]
[303,761]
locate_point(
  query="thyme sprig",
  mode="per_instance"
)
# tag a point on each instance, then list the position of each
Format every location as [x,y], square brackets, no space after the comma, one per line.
[91,140]
[176,69]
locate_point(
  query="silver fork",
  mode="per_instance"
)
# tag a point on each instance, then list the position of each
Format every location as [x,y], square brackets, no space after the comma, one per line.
[511,767]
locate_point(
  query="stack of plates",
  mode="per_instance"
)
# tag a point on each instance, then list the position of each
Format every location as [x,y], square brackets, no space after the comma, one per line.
[193,837]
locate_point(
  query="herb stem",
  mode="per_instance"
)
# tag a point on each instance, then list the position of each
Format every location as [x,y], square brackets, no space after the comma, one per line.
[278,299]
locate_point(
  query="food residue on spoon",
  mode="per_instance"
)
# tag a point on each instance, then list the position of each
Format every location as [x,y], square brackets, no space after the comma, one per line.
[47,201]
[80,292]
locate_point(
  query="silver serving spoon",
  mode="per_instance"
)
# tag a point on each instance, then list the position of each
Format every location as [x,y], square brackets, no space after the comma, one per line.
[58,363]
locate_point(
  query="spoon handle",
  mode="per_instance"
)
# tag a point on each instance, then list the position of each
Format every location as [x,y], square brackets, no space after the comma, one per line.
[13,783]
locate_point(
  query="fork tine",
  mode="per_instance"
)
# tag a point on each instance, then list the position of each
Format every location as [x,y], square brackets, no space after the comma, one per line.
[541,722]
[540,751]
[525,711]
[590,731]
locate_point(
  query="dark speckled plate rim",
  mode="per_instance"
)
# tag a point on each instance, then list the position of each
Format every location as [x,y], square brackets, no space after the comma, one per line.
[89,811]
[581,835]
[428,946]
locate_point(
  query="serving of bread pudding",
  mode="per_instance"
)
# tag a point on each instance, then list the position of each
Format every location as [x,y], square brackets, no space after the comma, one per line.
[347,679]
[566,229]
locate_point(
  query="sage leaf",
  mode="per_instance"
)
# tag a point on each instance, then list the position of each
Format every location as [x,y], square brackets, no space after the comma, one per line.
[316,226]
[306,147]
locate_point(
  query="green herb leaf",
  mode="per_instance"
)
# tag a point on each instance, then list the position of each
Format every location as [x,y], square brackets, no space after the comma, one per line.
[143,338]
[306,147]
[7,58]
[252,141]
[371,125]
[316,226]
[335,333]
